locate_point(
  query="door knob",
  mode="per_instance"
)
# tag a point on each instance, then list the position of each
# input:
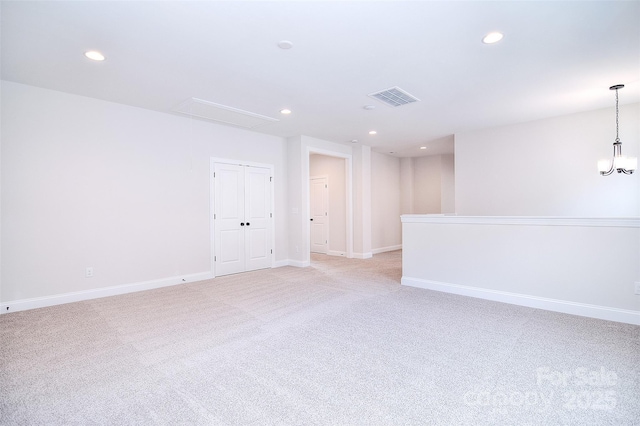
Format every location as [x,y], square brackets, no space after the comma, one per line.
[241,223]
[311,219]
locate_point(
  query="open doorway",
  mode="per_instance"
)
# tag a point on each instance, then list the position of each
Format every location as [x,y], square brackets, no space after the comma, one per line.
[329,205]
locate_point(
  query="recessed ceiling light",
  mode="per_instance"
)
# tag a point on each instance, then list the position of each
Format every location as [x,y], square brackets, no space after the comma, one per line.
[373,132]
[285,111]
[94,55]
[285,44]
[354,140]
[493,37]
[392,152]
[423,147]
[369,107]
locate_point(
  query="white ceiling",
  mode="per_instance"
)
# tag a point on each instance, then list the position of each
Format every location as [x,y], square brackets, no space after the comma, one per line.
[556,58]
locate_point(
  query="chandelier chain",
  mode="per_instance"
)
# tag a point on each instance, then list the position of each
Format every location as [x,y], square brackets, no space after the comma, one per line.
[617,137]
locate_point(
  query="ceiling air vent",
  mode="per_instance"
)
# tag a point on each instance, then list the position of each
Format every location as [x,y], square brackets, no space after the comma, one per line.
[394,97]
[223,114]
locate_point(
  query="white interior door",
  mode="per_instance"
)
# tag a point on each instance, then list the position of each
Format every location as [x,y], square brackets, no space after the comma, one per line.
[229,214]
[242,218]
[257,217]
[319,210]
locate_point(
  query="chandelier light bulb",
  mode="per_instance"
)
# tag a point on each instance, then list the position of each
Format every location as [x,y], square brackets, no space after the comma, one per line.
[604,165]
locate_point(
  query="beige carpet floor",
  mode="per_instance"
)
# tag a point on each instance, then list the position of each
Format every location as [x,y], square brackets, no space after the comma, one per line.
[337,343]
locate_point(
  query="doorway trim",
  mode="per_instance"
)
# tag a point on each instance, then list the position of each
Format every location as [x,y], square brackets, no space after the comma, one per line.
[348,159]
[212,198]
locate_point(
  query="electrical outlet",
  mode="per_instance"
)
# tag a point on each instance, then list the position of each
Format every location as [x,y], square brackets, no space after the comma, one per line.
[637,285]
[88,272]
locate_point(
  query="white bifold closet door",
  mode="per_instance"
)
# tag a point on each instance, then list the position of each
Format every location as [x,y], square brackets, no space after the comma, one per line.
[242,218]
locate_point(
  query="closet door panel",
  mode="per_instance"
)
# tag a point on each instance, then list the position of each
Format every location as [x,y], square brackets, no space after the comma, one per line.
[258,216]
[229,215]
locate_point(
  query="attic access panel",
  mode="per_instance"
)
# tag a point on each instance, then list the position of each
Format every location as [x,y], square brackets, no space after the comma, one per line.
[223,114]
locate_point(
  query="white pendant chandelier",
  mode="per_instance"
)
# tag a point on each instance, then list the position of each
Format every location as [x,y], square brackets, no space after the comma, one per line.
[619,163]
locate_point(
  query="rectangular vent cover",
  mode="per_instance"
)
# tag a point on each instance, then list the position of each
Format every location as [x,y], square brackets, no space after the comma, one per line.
[394,96]
[223,114]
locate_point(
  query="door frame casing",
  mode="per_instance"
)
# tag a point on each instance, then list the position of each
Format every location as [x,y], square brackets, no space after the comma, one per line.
[212,205]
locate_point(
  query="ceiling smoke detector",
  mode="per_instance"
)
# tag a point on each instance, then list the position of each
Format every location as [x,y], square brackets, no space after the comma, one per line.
[394,97]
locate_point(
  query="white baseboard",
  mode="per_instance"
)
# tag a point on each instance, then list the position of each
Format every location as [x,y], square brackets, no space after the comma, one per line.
[367,255]
[280,263]
[336,253]
[385,249]
[78,296]
[573,308]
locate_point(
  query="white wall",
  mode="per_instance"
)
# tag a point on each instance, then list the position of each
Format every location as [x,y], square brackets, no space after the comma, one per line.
[122,189]
[295,186]
[406,185]
[334,168]
[362,201]
[578,266]
[386,229]
[448,184]
[427,185]
[543,168]
[549,167]
[432,184]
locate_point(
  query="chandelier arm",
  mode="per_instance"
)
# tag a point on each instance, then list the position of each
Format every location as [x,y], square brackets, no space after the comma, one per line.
[607,173]
[616,146]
